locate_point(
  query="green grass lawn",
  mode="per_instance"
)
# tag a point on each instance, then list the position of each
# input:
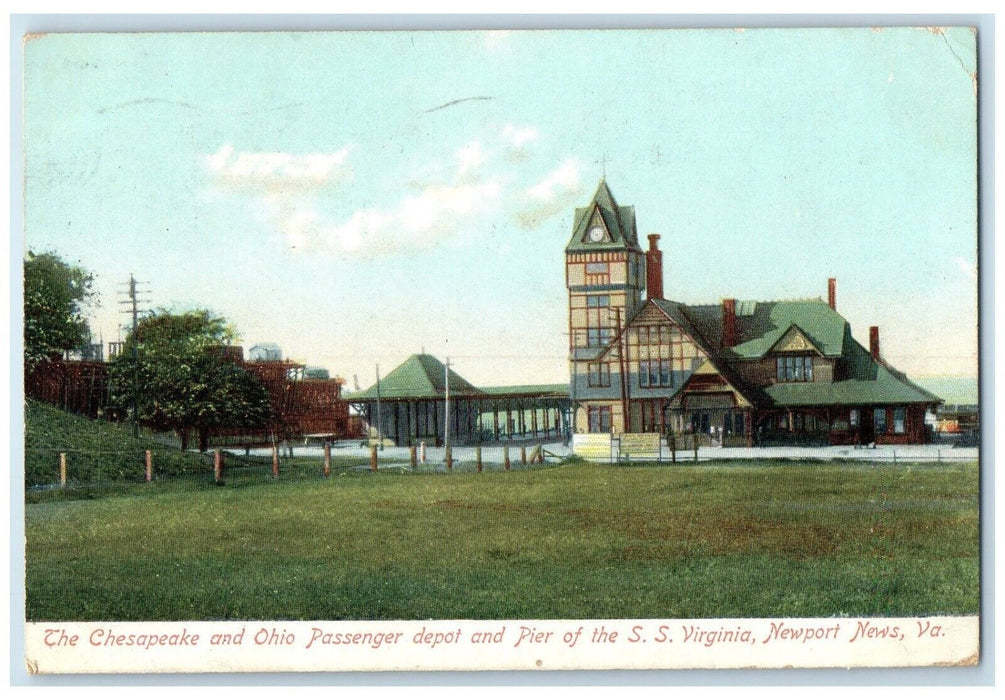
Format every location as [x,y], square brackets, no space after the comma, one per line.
[735,539]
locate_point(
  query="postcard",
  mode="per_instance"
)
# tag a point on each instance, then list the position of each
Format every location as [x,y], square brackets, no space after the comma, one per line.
[501,350]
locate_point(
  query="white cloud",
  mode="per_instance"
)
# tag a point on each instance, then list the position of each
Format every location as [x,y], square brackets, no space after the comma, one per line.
[469,158]
[558,184]
[363,228]
[422,213]
[448,201]
[554,193]
[519,137]
[434,215]
[968,269]
[276,171]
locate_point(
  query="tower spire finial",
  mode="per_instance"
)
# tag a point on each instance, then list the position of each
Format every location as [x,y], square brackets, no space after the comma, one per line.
[603,166]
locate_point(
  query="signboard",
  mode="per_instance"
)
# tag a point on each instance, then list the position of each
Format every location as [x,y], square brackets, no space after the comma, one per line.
[639,446]
[595,446]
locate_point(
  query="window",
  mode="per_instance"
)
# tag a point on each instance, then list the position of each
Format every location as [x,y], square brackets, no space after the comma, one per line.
[853,417]
[899,420]
[597,268]
[599,418]
[599,337]
[733,423]
[654,373]
[794,368]
[879,420]
[598,301]
[599,374]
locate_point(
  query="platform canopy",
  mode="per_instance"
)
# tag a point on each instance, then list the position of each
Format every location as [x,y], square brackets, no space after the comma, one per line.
[412,407]
[418,377]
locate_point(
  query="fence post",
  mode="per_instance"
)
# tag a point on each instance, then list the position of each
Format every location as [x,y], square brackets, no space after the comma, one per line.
[523,455]
[422,452]
[506,458]
[450,457]
[217,465]
[275,461]
[62,470]
[411,455]
[328,460]
[694,441]
[673,448]
[373,457]
[150,465]
[478,458]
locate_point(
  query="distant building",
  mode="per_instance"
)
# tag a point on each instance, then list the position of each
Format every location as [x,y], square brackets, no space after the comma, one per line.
[736,373]
[265,352]
[316,373]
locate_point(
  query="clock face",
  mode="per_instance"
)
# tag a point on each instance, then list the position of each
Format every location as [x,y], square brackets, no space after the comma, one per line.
[597,234]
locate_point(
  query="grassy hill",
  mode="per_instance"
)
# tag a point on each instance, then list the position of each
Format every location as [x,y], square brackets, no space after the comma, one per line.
[96,451]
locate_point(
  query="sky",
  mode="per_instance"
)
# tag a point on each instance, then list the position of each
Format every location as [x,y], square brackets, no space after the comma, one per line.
[357,197]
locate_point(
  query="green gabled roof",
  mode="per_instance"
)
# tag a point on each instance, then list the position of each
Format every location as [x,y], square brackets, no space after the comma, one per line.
[418,377]
[866,381]
[679,314]
[675,311]
[620,223]
[765,322]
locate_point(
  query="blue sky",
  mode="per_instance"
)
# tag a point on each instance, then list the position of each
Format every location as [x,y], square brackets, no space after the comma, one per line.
[358,196]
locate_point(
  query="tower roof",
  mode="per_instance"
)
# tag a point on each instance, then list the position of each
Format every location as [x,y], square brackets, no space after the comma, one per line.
[618,220]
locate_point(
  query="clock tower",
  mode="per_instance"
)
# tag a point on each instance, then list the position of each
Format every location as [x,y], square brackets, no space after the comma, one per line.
[604,273]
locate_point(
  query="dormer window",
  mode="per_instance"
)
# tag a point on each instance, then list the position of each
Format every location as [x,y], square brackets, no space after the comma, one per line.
[794,368]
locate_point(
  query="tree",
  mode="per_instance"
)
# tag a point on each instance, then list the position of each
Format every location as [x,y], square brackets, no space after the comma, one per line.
[183,379]
[56,298]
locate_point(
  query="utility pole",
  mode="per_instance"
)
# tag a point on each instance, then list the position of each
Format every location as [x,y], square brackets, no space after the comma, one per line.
[380,441]
[572,399]
[132,302]
[446,407]
[622,366]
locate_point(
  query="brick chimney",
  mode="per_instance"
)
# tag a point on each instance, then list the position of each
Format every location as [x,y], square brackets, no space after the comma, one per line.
[654,269]
[874,342]
[728,323]
[832,285]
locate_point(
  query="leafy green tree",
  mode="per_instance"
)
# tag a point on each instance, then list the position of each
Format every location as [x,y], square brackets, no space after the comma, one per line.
[183,379]
[56,298]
